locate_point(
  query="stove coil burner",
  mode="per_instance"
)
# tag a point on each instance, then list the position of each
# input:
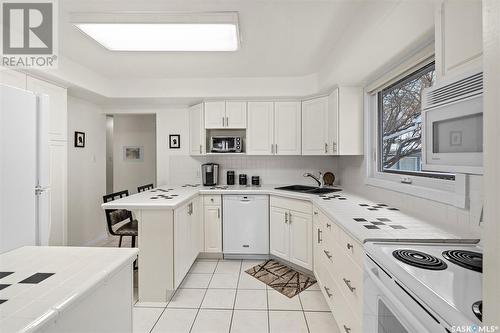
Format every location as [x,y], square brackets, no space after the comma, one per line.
[466,259]
[419,259]
[477,308]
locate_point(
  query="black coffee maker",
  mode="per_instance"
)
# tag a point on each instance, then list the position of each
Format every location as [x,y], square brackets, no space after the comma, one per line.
[210,174]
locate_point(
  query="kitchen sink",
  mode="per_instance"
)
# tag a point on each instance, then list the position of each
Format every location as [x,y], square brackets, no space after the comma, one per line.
[308,189]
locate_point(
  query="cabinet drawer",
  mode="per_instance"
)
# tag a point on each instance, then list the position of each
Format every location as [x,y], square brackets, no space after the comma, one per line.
[349,278]
[292,204]
[351,248]
[212,199]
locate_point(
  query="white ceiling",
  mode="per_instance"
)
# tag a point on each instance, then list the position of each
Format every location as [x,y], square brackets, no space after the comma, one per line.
[278,38]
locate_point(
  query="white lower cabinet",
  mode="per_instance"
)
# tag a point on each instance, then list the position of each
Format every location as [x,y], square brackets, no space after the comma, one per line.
[187,235]
[291,231]
[212,222]
[338,269]
[280,238]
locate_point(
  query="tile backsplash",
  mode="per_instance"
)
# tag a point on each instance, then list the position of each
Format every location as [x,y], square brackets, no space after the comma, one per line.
[465,222]
[271,169]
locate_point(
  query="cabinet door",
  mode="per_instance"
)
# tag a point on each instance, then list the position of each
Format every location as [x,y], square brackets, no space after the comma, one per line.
[260,130]
[458,37]
[236,114]
[58,106]
[13,78]
[301,239]
[58,193]
[213,229]
[287,128]
[315,126]
[182,230]
[196,130]
[215,114]
[333,123]
[280,233]
[196,229]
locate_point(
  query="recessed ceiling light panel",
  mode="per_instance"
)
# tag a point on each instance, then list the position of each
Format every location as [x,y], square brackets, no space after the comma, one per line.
[157,35]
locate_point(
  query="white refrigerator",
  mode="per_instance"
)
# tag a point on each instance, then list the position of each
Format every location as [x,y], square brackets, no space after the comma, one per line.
[24,169]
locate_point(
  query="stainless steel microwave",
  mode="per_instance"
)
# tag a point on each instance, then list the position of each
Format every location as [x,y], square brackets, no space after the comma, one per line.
[452,116]
[226,144]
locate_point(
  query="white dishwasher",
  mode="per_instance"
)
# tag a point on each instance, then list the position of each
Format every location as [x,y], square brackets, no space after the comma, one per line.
[245,226]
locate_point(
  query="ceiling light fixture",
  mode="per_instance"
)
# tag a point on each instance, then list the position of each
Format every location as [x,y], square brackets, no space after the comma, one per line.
[167,32]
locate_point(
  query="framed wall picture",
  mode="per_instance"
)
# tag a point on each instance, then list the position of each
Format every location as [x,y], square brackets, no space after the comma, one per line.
[80,139]
[133,153]
[174,141]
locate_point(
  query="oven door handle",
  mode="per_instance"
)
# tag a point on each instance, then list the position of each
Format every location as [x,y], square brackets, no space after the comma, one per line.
[394,304]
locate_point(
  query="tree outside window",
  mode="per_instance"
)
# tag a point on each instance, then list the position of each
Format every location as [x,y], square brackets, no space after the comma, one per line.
[400,121]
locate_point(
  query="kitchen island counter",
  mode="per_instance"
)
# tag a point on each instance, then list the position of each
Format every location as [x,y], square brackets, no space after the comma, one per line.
[54,289]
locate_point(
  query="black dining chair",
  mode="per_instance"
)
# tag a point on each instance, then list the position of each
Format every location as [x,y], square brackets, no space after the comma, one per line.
[115,216]
[144,188]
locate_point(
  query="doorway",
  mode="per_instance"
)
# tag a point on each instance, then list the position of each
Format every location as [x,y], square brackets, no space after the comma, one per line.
[130,151]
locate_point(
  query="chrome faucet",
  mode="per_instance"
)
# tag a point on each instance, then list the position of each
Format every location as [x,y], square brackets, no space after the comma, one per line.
[318,179]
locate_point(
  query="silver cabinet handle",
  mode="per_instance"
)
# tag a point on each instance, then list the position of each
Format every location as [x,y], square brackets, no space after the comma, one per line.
[349,246]
[222,121]
[276,148]
[227,121]
[272,148]
[290,217]
[348,284]
[286,217]
[326,148]
[328,225]
[327,290]
[347,329]
[218,213]
[328,255]
[319,236]
[200,149]
[315,213]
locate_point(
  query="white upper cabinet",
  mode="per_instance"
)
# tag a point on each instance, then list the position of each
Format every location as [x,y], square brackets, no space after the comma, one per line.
[274,128]
[215,114]
[196,130]
[333,125]
[13,78]
[236,114]
[287,128]
[346,122]
[459,37]
[58,106]
[315,126]
[229,114]
[260,131]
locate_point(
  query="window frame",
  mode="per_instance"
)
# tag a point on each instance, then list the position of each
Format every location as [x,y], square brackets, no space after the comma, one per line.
[440,187]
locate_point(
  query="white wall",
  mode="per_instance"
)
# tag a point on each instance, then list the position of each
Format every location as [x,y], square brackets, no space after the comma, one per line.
[491,54]
[134,130]
[86,173]
[463,221]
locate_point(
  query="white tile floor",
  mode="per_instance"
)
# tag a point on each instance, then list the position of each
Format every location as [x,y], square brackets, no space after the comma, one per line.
[218,296]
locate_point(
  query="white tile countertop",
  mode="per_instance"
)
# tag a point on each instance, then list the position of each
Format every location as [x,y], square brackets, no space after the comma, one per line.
[364,219]
[70,273]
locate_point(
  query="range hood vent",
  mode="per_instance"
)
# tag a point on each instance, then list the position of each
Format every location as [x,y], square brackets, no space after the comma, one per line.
[452,92]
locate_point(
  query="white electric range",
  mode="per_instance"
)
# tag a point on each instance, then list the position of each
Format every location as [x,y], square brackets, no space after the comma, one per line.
[411,287]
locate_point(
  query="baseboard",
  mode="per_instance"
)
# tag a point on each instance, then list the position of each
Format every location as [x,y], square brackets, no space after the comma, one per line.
[294,266]
[209,255]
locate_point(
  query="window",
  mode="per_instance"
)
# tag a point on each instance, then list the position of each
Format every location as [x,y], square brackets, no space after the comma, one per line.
[393,122]
[400,122]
